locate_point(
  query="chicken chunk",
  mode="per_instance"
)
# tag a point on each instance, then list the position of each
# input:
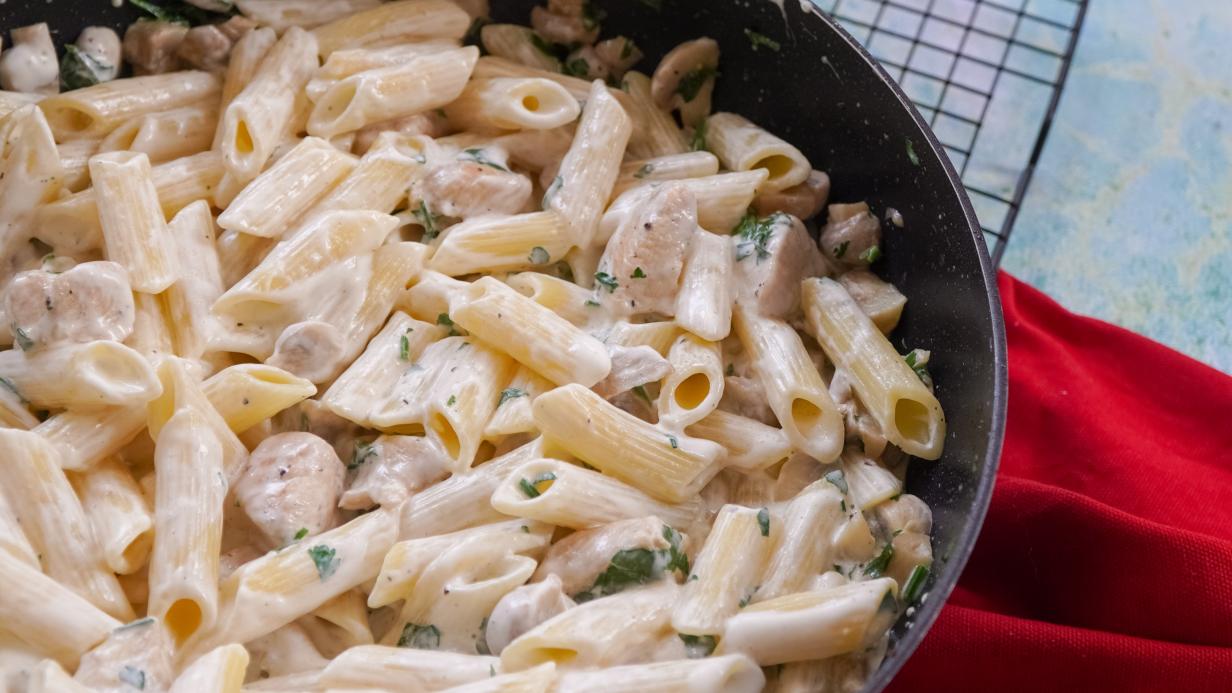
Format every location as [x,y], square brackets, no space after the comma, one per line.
[632,366]
[564,29]
[292,482]
[584,62]
[619,54]
[393,468]
[581,557]
[645,256]
[880,300]
[852,235]
[103,45]
[469,188]
[746,397]
[137,652]
[773,256]
[150,46]
[30,66]
[312,349]
[205,47]
[802,201]
[908,522]
[91,301]
[524,608]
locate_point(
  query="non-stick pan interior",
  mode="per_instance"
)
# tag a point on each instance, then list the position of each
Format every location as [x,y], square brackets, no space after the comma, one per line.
[824,94]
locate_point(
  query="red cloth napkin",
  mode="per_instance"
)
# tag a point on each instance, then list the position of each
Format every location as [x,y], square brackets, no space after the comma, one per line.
[1105,563]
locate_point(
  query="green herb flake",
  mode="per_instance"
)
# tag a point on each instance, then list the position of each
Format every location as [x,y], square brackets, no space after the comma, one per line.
[404,348]
[510,393]
[361,453]
[915,159]
[698,646]
[427,220]
[918,359]
[758,41]
[671,440]
[698,143]
[22,338]
[159,12]
[755,236]
[628,568]
[841,249]
[677,560]
[591,16]
[491,671]
[79,69]
[531,487]
[640,391]
[877,567]
[550,193]
[693,81]
[627,49]
[763,521]
[325,559]
[578,67]
[548,49]
[637,273]
[453,399]
[478,156]
[132,676]
[871,255]
[607,281]
[303,532]
[592,303]
[840,482]
[539,256]
[420,637]
[644,171]
[445,321]
[139,623]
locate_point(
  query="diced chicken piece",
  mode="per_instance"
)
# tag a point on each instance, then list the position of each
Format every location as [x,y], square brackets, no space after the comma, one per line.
[645,256]
[137,652]
[858,423]
[853,540]
[392,469]
[150,46]
[465,189]
[312,349]
[430,124]
[103,44]
[851,234]
[91,301]
[292,482]
[797,472]
[205,47]
[773,256]
[879,299]
[582,556]
[31,66]
[908,521]
[524,608]
[287,650]
[632,366]
[633,402]
[746,397]
[618,54]
[564,29]
[236,27]
[584,62]
[802,201]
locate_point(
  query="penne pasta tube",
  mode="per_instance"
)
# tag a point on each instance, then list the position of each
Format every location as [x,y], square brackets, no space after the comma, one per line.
[240,253]
[43,501]
[421,84]
[190,297]
[510,103]
[659,336]
[394,22]
[540,679]
[590,167]
[182,390]
[909,414]
[723,585]
[879,300]
[743,146]
[95,111]
[165,135]
[403,669]
[813,625]
[79,375]
[805,550]
[492,243]
[728,673]
[794,389]
[13,100]
[31,170]
[49,677]
[871,484]
[533,335]
[51,618]
[665,167]
[491,66]
[430,296]
[513,410]
[75,157]
[13,540]
[151,335]
[379,182]
[370,378]
[255,121]
[566,299]
[118,514]
[567,495]
[704,302]
[519,45]
[344,63]
[657,133]
[245,59]
[722,201]
[669,467]
[281,15]
[219,671]
[83,438]
[246,394]
[750,444]
[695,385]
[275,199]
[132,222]
[14,411]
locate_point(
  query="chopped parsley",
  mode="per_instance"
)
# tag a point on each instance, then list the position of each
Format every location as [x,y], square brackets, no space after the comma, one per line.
[539,256]
[841,249]
[362,453]
[591,16]
[755,235]
[404,348]
[607,281]
[481,642]
[548,49]
[427,220]
[836,477]
[763,521]
[531,488]
[453,399]
[160,13]
[644,171]
[325,559]
[445,321]
[671,440]
[877,567]
[79,69]
[640,391]
[510,393]
[578,67]
[698,646]
[871,255]
[677,560]
[627,48]
[915,584]
[420,637]
[303,532]
[592,303]
[918,359]
[759,40]
[133,677]
[637,273]
[22,338]
[477,155]
[139,623]
[698,143]
[915,159]
[8,385]
[552,190]
[632,567]
[693,81]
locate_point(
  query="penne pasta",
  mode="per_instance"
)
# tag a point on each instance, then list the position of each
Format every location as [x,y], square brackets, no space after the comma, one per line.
[566,299]
[734,673]
[118,514]
[84,375]
[750,444]
[704,302]
[695,385]
[518,44]
[723,586]
[492,243]
[165,135]
[666,167]
[281,15]
[508,103]
[133,226]
[403,20]
[52,619]
[657,134]
[404,669]
[95,111]
[743,146]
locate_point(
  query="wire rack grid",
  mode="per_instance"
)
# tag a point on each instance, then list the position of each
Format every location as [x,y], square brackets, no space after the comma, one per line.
[986,74]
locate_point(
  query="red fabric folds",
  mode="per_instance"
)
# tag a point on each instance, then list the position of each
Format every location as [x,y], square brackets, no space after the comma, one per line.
[1105,563]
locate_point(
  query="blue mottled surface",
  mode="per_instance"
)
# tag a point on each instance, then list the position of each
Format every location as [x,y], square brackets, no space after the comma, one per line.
[1129,216]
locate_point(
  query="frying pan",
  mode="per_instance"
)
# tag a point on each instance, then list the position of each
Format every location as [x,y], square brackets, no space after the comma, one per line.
[823,93]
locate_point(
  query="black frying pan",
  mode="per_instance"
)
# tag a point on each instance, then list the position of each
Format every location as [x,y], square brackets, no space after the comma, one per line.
[823,93]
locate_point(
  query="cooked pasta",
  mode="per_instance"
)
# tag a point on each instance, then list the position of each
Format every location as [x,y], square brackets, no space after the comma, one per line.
[357,361]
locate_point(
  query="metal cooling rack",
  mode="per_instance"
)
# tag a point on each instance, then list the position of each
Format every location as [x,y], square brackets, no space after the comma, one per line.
[986,74]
